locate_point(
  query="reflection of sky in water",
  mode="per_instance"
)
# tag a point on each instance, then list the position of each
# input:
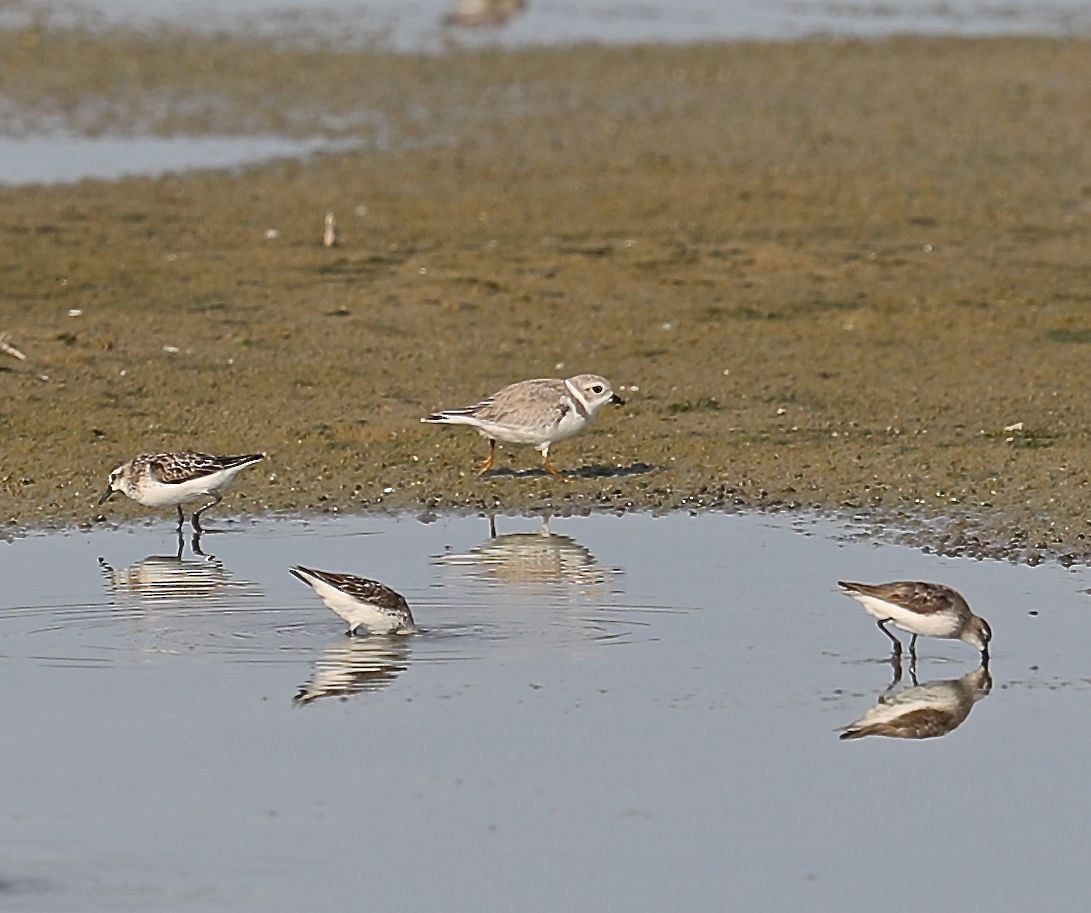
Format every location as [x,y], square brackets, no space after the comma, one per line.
[666,739]
[415,24]
[63,158]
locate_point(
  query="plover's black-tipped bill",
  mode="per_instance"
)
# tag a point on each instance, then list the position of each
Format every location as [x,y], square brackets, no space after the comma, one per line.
[106,495]
[617,400]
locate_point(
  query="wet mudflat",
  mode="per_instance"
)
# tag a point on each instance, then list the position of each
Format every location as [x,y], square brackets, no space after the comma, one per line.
[825,274]
[620,713]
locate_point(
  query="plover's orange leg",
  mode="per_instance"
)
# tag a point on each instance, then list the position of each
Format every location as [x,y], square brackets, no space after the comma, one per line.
[486,464]
[547,463]
[894,640]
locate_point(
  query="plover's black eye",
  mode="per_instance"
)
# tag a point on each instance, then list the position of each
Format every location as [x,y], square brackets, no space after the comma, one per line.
[597,388]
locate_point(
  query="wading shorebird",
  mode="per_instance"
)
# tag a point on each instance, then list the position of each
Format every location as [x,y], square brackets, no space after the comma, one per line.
[928,609]
[483,12]
[174,479]
[539,412]
[362,603]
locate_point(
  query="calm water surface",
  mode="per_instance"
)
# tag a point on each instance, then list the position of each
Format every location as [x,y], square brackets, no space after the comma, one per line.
[61,158]
[620,714]
[418,24]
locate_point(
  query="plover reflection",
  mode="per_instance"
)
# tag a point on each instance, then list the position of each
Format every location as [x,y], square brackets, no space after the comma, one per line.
[534,557]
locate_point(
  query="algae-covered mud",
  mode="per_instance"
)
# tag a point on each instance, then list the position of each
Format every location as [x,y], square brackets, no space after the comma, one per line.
[825,274]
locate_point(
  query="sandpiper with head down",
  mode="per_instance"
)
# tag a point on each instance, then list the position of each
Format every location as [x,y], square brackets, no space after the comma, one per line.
[174,479]
[362,603]
[539,412]
[930,609]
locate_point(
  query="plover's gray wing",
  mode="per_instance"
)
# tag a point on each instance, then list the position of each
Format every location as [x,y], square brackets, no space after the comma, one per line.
[539,403]
[922,598]
[173,468]
[453,415]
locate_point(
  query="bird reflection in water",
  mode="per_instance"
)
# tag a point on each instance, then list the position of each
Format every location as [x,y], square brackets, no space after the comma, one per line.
[354,665]
[171,578]
[537,557]
[925,711]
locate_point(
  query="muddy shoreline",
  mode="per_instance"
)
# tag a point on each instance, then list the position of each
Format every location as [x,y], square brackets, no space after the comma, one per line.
[832,275]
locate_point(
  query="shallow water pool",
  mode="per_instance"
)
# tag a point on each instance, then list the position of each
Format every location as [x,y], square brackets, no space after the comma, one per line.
[609,713]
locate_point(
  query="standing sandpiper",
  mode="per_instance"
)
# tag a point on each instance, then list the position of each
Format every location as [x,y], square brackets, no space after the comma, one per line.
[174,479]
[930,609]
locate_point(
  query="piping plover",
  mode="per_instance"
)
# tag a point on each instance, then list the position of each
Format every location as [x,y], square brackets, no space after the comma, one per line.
[930,609]
[361,602]
[174,479]
[539,412]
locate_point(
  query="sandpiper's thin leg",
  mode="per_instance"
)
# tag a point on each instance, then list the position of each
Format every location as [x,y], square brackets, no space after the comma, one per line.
[913,671]
[181,519]
[486,464]
[492,526]
[896,665]
[913,647]
[195,544]
[181,544]
[216,499]
[894,640]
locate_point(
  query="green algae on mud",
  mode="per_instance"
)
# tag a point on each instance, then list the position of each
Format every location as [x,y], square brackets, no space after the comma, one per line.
[829,274]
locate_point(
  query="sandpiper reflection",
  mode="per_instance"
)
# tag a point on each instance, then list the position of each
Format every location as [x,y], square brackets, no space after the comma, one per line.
[922,711]
[172,578]
[536,557]
[356,664]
